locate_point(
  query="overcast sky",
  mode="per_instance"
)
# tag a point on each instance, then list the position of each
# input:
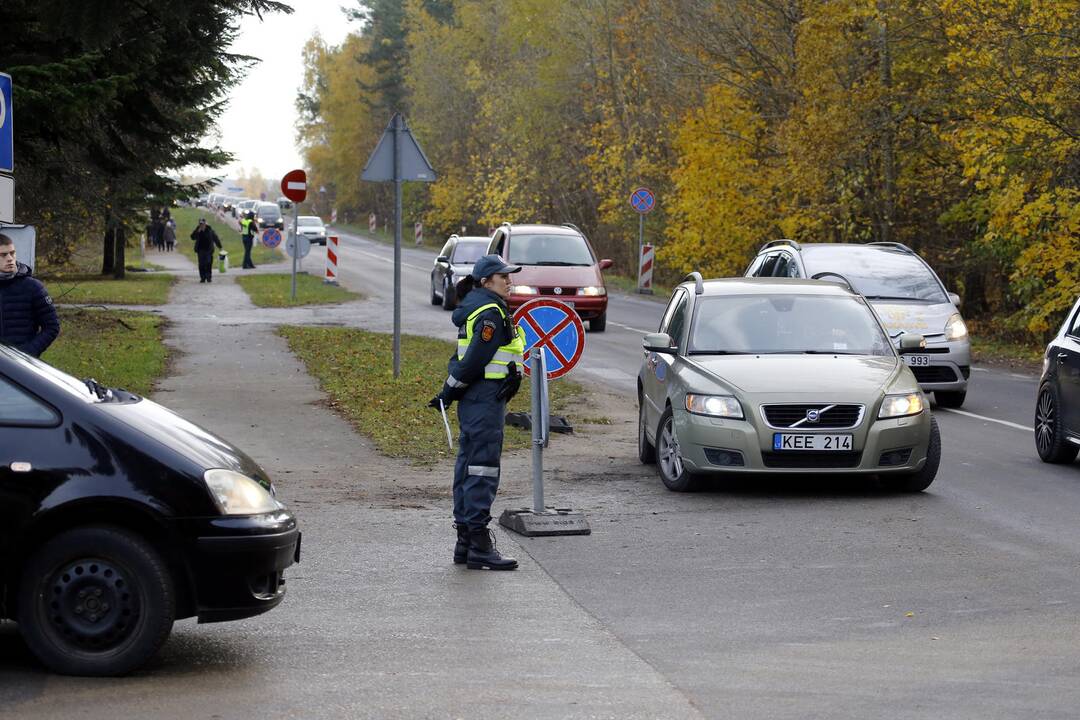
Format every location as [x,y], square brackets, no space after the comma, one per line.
[259,125]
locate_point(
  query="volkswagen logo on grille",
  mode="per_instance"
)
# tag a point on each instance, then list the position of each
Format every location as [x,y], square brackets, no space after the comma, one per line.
[558,291]
[813,416]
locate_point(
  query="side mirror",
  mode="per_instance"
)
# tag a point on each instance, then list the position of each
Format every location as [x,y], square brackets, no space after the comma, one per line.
[955,300]
[910,343]
[606,263]
[659,342]
[442,259]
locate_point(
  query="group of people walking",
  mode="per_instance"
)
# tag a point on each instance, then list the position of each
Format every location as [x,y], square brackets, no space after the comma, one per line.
[161,232]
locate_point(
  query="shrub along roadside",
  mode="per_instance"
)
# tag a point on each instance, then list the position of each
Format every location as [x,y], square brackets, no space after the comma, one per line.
[188,218]
[116,347]
[275,290]
[355,368]
[144,288]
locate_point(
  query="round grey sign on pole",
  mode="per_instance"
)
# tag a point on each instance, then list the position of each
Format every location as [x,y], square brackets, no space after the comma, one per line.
[291,246]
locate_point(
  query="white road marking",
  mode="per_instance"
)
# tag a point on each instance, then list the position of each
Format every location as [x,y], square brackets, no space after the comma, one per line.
[631,329]
[389,260]
[1006,423]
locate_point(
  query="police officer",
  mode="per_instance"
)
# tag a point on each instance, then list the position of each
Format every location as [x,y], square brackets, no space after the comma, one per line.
[247,236]
[483,375]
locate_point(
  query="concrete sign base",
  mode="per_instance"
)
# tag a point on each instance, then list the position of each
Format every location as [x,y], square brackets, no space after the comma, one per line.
[555,521]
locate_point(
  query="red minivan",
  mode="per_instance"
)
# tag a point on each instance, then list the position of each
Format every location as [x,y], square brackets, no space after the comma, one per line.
[558,262]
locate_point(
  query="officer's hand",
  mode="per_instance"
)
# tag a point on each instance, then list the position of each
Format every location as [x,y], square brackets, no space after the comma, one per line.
[434,402]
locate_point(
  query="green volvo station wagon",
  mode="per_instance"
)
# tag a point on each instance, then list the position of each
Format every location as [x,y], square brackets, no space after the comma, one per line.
[777,375]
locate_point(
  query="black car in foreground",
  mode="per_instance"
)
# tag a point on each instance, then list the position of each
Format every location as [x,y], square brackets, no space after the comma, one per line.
[117,517]
[1057,406]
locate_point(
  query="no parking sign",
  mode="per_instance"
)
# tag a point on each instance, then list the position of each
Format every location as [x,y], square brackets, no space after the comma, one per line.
[556,327]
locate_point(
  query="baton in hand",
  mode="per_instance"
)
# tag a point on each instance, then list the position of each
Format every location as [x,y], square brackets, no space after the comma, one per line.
[446,424]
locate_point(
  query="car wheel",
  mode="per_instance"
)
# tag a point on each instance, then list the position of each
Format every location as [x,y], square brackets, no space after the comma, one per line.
[435,299]
[448,296]
[669,463]
[597,324]
[1049,431]
[950,398]
[96,601]
[646,452]
[921,479]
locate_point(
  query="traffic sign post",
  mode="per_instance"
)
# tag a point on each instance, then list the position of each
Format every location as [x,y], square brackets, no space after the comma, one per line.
[643,201]
[554,342]
[294,187]
[271,237]
[7,124]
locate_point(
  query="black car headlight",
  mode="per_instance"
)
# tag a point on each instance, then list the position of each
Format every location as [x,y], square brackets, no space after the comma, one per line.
[237,494]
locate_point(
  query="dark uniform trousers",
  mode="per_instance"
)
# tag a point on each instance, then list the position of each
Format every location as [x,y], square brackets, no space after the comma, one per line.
[206,265]
[248,241]
[476,474]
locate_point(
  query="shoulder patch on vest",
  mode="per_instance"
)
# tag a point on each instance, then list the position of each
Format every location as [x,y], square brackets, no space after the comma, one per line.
[48,299]
[487,330]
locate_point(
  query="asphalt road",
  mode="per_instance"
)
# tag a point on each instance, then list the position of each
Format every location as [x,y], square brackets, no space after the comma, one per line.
[817,598]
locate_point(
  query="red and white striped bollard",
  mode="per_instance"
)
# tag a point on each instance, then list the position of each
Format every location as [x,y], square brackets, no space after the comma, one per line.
[331,260]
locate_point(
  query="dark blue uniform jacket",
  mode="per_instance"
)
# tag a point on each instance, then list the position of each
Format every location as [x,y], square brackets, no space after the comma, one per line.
[470,369]
[28,319]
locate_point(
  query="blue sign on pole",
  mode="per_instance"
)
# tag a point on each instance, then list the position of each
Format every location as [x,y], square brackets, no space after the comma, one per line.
[271,237]
[556,327]
[643,200]
[7,136]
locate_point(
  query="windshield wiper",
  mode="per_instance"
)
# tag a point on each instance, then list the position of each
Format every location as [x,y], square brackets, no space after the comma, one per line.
[896,297]
[561,263]
[829,352]
[717,352]
[102,392]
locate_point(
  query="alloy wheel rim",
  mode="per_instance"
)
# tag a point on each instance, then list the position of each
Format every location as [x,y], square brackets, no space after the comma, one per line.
[669,451]
[91,605]
[1044,422]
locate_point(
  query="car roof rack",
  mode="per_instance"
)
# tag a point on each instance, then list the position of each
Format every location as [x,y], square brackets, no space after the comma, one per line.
[827,274]
[781,241]
[895,245]
[699,285]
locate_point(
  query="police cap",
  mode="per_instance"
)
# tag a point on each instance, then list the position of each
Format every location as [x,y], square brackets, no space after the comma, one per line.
[492,265]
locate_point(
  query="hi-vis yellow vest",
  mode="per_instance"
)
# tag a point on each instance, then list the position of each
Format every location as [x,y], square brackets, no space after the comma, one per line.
[514,351]
[245,227]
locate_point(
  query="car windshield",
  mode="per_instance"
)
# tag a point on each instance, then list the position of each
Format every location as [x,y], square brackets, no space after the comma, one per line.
[51,375]
[468,252]
[550,250]
[786,324]
[309,221]
[879,273]
[269,211]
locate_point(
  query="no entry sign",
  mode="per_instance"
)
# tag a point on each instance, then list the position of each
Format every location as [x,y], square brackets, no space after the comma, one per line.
[555,326]
[294,185]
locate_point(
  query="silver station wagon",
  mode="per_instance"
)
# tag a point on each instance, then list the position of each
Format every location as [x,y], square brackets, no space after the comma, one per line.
[776,375]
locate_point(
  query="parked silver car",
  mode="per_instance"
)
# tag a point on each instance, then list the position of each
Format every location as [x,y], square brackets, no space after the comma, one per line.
[311,227]
[906,293]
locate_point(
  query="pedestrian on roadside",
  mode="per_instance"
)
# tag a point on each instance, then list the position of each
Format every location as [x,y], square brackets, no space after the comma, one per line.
[205,239]
[248,228]
[169,234]
[28,320]
[483,376]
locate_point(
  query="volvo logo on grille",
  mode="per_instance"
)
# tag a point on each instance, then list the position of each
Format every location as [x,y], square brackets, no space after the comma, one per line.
[558,291]
[813,416]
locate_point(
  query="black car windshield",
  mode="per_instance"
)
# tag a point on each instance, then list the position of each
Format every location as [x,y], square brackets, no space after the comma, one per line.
[550,250]
[269,211]
[786,324]
[468,252]
[877,272]
[51,375]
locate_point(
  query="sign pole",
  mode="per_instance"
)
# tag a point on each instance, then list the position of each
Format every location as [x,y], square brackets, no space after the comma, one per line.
[296,246]
[640,246]
[397,245]
[537,386]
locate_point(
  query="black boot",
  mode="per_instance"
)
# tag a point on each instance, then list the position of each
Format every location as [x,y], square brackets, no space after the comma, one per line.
[461,547]
[482,552]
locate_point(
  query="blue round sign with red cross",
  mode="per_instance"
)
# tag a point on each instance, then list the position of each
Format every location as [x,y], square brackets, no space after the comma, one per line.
[643,200]
[556,327]
[271,237]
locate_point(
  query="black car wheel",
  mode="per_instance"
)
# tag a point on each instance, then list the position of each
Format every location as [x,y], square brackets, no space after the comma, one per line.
[1049,431]
[598,323]
[96,601]
[449,297]
[920,479]
[950,398]
[669,463]
[646,451]
[435,300]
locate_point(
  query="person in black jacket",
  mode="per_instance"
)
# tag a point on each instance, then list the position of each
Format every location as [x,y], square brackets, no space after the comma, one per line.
[28,320]
[205,239]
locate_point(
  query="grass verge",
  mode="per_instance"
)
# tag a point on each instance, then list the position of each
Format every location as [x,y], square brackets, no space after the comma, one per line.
[275,290]
[1000,352]
[119,348]
[386,236]
[188,218]
[628,285]
[355,368]
[134,289]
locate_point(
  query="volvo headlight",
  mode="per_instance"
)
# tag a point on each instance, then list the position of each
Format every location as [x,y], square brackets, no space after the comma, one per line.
[895,406]
[525,290]
[237,494]
[592,291]
[955,329]
[714,406]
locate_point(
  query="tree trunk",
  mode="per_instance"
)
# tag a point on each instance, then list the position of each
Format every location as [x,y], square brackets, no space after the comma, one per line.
[120,244]
[107,250]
